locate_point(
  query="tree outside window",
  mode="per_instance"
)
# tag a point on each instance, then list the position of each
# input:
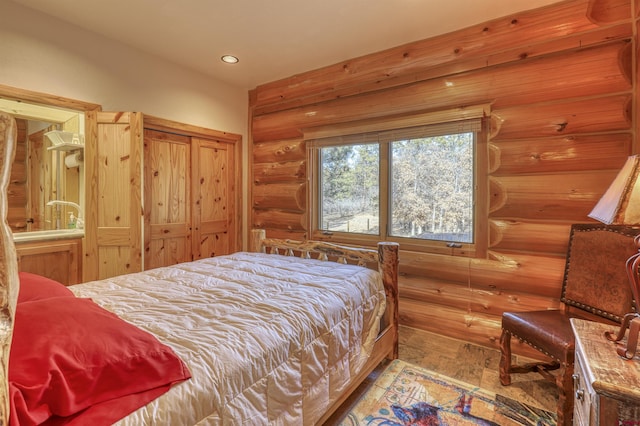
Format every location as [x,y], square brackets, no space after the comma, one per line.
[432,188]
[350,177]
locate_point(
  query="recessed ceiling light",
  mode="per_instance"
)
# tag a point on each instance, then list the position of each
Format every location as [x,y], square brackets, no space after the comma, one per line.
[229,59]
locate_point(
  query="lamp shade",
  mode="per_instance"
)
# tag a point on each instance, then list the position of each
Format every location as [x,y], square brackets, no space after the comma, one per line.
[620,204]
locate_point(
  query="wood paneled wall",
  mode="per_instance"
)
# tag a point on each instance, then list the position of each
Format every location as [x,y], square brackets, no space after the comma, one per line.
[560,81]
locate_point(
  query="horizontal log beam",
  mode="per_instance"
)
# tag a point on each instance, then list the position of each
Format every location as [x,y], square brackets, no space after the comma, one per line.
[589,115]
[577,153]
[287,196]
[546,197]
[278,219]
[466,297]
[506,272]
[279,151]
[458,324]
[593,71]
[529,237]
[282,234]
[510,38]
[289,171]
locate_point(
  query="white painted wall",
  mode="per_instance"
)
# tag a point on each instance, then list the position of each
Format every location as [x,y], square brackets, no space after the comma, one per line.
[43,54]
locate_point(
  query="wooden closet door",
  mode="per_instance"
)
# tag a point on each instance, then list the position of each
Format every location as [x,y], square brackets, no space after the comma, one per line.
[167,194]
[113,217]
[213,197]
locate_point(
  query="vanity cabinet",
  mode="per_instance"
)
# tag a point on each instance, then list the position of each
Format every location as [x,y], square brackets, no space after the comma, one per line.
[59,260]
[158,193]
[606,386]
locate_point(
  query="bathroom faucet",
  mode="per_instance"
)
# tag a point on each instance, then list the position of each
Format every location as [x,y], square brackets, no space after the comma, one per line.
[80,220]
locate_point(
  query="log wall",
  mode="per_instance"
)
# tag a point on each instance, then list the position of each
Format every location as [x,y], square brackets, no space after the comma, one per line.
[560,81]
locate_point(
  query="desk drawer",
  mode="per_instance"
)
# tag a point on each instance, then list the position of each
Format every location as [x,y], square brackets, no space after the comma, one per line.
[583,395]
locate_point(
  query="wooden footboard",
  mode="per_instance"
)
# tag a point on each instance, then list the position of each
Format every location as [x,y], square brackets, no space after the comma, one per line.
[386,261]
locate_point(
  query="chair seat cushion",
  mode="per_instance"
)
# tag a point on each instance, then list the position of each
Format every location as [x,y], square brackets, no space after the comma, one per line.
[548,331]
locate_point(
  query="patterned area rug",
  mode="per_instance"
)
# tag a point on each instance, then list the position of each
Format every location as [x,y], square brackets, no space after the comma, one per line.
[405,394]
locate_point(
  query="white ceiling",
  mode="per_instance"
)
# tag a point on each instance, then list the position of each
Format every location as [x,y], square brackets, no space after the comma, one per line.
[274,39]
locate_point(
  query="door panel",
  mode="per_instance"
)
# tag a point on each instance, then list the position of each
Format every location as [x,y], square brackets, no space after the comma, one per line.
[113,221]
[213,188]
[168,199]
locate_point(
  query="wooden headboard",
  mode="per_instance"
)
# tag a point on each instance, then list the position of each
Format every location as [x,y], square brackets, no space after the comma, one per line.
[9,282]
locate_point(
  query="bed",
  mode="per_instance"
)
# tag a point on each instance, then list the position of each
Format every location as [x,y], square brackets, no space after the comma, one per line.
[279,335]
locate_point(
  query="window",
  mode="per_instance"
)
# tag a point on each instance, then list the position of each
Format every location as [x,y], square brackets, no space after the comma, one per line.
[432,183]
[350,188]
[416,185]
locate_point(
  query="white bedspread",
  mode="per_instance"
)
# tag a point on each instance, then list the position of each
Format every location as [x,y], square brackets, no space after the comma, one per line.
[268,340]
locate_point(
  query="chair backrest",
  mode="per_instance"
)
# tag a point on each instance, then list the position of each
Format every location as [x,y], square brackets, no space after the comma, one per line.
[595,277]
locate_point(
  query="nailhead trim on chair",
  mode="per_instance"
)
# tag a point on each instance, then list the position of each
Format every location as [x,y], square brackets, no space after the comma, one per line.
[593,310]
[538,349]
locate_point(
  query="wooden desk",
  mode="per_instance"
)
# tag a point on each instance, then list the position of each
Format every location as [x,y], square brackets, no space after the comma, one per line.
[606,386]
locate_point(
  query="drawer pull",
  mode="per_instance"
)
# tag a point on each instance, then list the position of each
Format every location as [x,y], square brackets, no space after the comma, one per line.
[579,395]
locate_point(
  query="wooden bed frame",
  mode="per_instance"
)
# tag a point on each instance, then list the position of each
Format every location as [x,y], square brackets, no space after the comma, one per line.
[385,259]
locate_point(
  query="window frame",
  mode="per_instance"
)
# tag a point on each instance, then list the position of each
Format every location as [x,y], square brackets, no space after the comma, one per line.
[358,132]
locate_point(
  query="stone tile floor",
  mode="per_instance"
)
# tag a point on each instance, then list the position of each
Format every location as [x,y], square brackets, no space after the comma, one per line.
[471,363]
[474,364]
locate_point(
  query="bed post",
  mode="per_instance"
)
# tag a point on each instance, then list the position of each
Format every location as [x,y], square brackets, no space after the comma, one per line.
[388,252]
[8,263]
[257,235]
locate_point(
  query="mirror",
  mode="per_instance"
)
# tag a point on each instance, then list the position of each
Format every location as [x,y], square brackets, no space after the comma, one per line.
[46,189]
